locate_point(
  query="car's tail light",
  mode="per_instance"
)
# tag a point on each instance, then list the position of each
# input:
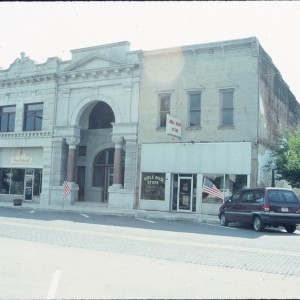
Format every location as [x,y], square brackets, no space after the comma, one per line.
[267,207]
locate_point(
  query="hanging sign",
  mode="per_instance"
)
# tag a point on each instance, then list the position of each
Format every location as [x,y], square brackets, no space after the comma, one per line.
[173,126]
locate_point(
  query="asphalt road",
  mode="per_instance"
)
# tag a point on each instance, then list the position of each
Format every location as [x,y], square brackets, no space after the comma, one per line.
[55,255]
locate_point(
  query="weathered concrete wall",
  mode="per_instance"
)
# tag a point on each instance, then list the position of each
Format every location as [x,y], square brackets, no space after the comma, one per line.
[279,111]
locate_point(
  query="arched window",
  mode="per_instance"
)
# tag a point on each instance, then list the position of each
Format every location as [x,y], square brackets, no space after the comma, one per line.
[101,116]
[104,169]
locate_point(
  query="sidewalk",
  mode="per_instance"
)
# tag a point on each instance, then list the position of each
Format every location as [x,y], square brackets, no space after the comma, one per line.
[96,208]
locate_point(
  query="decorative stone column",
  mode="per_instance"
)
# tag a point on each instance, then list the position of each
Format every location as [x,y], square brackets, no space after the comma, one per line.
[73,195]
[118,174]
[73,142]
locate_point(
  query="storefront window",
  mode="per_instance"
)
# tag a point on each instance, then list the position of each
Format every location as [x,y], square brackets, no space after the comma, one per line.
[4,181]
[226,183]
[153,186]
[19,181]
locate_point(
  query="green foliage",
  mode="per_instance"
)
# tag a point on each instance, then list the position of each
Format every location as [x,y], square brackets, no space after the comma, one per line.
[287,158]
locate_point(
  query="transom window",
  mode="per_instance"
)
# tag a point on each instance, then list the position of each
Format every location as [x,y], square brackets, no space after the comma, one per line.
[226,97]
[194,109]
[33,117]
[7,118]
[164,109]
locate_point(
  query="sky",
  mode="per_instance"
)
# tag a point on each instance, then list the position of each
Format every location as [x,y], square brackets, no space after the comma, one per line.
[52,29]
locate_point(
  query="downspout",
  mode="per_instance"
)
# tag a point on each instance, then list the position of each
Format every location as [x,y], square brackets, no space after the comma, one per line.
[256,142]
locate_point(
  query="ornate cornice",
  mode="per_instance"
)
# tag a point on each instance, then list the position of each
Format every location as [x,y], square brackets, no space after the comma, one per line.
[16,81]
[97,73]
[25,134]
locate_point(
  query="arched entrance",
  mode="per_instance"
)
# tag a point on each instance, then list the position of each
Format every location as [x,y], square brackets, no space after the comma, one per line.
[95,153]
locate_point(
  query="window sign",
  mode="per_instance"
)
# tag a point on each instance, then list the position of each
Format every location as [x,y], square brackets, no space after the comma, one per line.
[153,186]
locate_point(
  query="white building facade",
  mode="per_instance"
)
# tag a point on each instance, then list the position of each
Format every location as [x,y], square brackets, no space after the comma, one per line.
[71,120]
[141,129]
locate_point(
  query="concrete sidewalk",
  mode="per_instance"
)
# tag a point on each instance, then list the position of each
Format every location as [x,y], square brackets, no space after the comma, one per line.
[96,208]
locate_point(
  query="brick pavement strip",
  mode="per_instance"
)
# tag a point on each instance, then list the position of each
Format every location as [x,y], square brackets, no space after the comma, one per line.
[175,249]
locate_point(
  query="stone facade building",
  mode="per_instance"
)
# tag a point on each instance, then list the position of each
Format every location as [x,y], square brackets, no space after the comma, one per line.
[141,129]
[71,120]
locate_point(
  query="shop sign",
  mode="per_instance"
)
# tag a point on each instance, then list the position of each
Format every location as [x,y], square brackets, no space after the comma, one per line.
[173,126]
[21,158]
[153,186]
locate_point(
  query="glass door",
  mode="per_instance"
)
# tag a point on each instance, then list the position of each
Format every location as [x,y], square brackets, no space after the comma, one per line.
[28,187]
[185,193]
[109,177]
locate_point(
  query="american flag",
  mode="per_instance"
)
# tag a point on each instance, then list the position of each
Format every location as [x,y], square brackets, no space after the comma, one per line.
[211,189]
[67,189]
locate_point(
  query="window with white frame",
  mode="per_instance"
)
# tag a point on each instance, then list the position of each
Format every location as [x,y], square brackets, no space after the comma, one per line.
[164,109]
[194,117]
[226,102]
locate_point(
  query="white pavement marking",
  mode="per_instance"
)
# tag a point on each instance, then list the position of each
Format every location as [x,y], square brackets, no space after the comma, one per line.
[86,216]
[54,285]
[145,220]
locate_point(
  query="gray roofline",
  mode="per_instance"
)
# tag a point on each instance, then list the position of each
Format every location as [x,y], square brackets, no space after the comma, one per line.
[208,46]
[100,46]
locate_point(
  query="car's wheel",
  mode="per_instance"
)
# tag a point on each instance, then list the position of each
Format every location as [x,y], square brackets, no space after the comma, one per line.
[223,220]
[290,228]
[258,225]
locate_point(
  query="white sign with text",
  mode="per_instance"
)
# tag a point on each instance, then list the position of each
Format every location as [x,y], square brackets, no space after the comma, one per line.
[173,126]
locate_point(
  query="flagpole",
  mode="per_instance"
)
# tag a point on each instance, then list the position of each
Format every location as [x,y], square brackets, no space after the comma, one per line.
[224,188]
[200,202]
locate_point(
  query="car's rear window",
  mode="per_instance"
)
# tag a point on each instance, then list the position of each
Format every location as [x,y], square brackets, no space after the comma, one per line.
[282,197]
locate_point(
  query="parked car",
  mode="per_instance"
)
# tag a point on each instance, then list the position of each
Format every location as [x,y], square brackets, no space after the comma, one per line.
[262,207]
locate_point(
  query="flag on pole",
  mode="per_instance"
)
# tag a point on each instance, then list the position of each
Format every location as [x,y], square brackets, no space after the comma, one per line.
[67,189]
[211,189]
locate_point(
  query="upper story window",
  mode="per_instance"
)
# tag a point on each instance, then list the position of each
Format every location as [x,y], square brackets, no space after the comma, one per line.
[194,116]
[7,118]
[164,109]
[226,101]
[33,117]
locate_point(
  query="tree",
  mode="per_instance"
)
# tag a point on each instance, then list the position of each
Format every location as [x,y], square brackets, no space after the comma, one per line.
[287,158]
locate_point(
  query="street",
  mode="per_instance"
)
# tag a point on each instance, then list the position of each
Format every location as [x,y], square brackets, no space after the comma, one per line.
[55,255]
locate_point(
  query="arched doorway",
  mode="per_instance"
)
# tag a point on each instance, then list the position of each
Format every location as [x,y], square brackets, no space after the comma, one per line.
[104,172]
[95,153]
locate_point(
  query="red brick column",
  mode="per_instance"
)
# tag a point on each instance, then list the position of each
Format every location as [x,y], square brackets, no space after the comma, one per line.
[118,172]
[71,159]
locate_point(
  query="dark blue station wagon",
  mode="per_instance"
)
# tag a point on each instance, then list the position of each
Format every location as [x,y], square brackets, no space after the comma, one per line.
[262,207]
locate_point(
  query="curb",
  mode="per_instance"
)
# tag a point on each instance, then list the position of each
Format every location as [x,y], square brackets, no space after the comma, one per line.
[151,215]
